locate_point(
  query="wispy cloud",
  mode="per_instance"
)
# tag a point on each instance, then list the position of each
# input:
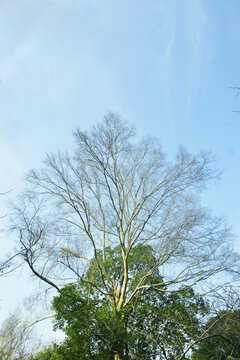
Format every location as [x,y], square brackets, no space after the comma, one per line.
[183,54]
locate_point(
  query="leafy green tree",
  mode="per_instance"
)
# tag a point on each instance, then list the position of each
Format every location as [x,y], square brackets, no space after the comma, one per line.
[156,323]
[54,352]
[221,337]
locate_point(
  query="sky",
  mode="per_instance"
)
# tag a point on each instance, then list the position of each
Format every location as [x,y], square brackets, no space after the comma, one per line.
[168,66]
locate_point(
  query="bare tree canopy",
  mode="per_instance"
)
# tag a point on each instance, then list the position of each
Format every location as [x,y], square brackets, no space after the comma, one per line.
[114,191]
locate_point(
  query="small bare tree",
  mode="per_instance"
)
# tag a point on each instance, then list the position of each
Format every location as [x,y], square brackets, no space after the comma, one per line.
[7,264]
[16,339]
[114,191]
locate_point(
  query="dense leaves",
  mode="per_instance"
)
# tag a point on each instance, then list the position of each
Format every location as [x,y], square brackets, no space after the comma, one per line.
[56,352]
[155,323]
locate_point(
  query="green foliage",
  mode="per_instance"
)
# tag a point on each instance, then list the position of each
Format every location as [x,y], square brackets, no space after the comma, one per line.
[223,338]
[140,260]
[168,320]
[83,317]
[49,353]
[155,323]
[56,352]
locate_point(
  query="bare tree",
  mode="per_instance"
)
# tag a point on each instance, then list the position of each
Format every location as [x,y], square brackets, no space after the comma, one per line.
[116,191]
[6,264]
[16,339]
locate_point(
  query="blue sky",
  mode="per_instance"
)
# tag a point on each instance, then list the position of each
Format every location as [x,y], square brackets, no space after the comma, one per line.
[166,65]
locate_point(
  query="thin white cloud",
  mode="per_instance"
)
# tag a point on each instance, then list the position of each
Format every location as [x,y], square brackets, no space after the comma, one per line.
[183,52]
[197,49]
